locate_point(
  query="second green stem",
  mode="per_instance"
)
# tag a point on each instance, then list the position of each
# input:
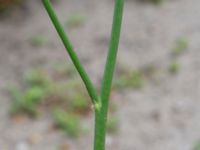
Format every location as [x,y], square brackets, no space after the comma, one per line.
[101,116]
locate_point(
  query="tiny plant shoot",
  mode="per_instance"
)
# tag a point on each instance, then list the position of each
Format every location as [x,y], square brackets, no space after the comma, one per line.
[100,101]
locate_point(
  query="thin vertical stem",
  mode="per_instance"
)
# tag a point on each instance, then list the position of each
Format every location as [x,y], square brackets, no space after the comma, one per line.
[113,48]
[89,86]
[101,115]
[101,104]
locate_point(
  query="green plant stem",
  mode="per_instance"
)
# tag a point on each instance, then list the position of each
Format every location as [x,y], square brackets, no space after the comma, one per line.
[102,103]
[101,115]
[89,86]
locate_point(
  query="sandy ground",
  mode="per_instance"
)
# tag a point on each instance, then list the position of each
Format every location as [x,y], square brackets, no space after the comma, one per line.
[161,116]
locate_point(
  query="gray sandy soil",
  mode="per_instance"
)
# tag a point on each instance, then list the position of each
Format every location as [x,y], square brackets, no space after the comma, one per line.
[162,116]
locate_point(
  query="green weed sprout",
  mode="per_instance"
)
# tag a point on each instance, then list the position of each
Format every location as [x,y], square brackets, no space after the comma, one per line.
[112,125]
[101,101]
[38,40]
[157,1]
[69,123]
[196,146]
[174,67]
[27,101]
[75,20]
[181,46]
[134,79]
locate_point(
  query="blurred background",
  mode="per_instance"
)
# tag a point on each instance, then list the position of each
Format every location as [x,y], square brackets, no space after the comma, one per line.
[155,98]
